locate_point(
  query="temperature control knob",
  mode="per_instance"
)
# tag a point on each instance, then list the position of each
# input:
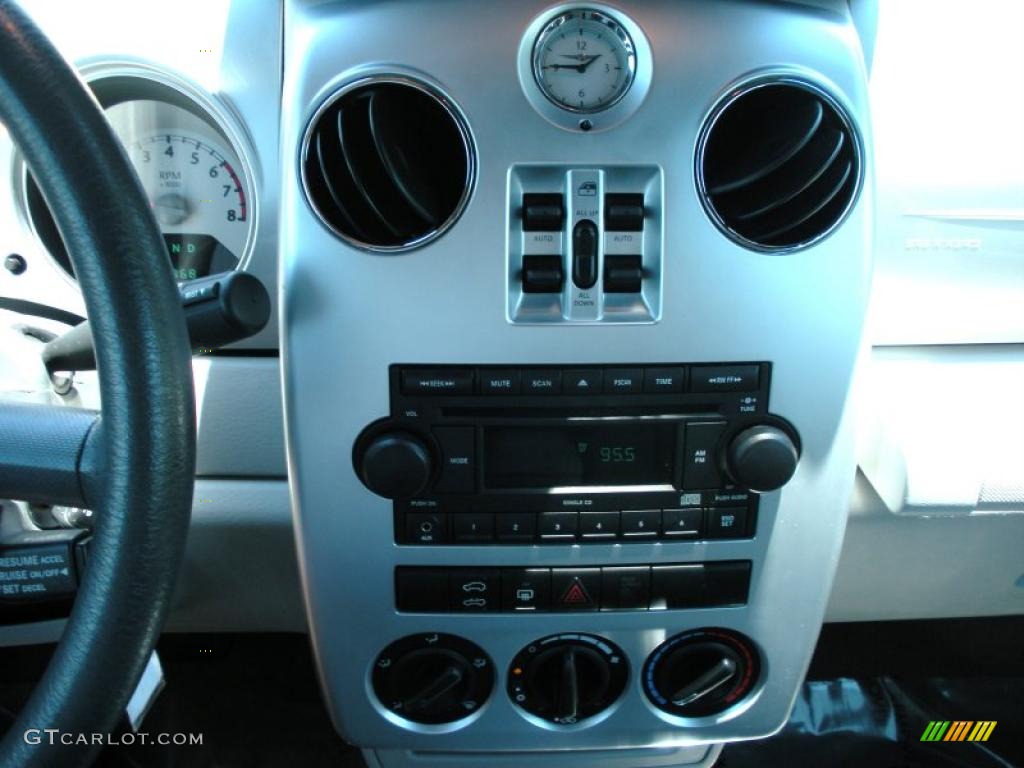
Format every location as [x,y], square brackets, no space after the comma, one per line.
[762,458]
[567,678]
[433,678]
[700,673]
[395,465]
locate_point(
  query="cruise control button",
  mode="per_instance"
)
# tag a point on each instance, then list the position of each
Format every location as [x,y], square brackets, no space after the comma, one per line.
[724,378]
[576,589]
[499,381]
[625,588]
[515,526]
[682,523]
[599,525]
[426,527]
[641,523]
[663,381]
[472,526]
[727,523]
[472,590]
[437,382]
[526,589]
[558,525]
[623,381]
[581,381]
[541,382]
[699,467]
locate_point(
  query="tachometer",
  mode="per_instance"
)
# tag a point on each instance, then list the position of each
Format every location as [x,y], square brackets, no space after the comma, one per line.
[198,198]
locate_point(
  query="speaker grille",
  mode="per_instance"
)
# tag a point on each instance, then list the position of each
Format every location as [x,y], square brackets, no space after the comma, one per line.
[387,164]
[779,166]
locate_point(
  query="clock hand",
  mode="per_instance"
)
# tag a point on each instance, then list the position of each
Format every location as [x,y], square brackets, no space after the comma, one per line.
[584,65]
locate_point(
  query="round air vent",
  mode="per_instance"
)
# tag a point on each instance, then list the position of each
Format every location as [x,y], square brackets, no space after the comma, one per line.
[388,164]
[778,165]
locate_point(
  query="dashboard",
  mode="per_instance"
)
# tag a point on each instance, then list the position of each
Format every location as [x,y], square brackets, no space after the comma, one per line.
[551,444]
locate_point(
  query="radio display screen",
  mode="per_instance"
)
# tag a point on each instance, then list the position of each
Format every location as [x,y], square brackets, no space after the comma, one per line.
[598,454]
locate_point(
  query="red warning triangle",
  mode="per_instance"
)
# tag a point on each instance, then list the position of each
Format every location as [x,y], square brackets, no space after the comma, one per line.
[576,594]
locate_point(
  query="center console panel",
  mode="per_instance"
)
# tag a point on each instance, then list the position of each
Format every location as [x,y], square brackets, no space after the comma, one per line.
[570,465]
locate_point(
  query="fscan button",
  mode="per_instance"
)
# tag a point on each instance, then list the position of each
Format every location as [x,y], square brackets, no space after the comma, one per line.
[623,381]
[542,382]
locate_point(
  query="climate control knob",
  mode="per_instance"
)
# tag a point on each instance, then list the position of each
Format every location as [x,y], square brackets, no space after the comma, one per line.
[700,673]
[395,464]
[567,678]
[433,678]
[762,458]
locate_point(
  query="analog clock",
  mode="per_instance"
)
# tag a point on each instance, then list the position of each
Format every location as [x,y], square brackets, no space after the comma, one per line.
[584,61]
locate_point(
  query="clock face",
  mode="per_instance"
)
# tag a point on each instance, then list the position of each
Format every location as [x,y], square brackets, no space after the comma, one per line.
[584,61]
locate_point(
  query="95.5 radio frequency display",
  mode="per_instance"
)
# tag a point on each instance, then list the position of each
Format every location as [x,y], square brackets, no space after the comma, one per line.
[592,454]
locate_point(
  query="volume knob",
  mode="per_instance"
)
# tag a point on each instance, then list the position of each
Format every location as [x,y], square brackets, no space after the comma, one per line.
[395,465]
[762,458]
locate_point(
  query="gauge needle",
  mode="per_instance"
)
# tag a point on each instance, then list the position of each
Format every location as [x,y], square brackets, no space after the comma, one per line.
[170,209]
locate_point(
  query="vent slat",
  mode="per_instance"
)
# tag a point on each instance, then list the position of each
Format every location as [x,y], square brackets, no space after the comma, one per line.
[388,165]
[768,195]
[779,166]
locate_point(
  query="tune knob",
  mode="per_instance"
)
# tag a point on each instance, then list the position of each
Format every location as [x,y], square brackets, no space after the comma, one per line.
[395,465]
[433,678]
[700,673]
[762,458]
[567,678]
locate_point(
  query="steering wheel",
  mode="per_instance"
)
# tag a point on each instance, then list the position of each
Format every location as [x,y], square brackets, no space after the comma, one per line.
[135,465]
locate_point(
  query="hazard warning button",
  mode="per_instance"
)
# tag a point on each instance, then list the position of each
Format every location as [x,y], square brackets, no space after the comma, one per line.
[576,589]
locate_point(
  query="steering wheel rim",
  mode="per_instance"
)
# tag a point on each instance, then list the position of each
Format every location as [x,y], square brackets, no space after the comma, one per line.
[141,490]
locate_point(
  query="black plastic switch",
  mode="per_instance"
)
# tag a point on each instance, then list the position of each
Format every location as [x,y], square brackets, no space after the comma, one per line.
[542,274]
[584,254]
[622,274]
[624,213]
[543,212]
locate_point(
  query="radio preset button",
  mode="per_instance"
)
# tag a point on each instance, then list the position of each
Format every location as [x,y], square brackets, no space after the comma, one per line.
[625,588]
[663,381]
[700,469]
[682,523]
[623,381]
[426,527]
[724,378]
[526,589]
[516,526]
[458,462]
[599,525]
[542,382]
[423,381]
[472,526]
[558,526]
[581,381]
[576,589]
[473,590]
[499,381]
[641,523]
[727,523]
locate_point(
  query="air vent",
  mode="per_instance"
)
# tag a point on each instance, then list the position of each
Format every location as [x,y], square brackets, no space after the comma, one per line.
[779,166]
[388,164]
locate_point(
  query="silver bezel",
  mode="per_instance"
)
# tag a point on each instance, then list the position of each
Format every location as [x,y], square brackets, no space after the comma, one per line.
[733,94]
[194,99]
[607,115]
[585,14]
[458,118]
